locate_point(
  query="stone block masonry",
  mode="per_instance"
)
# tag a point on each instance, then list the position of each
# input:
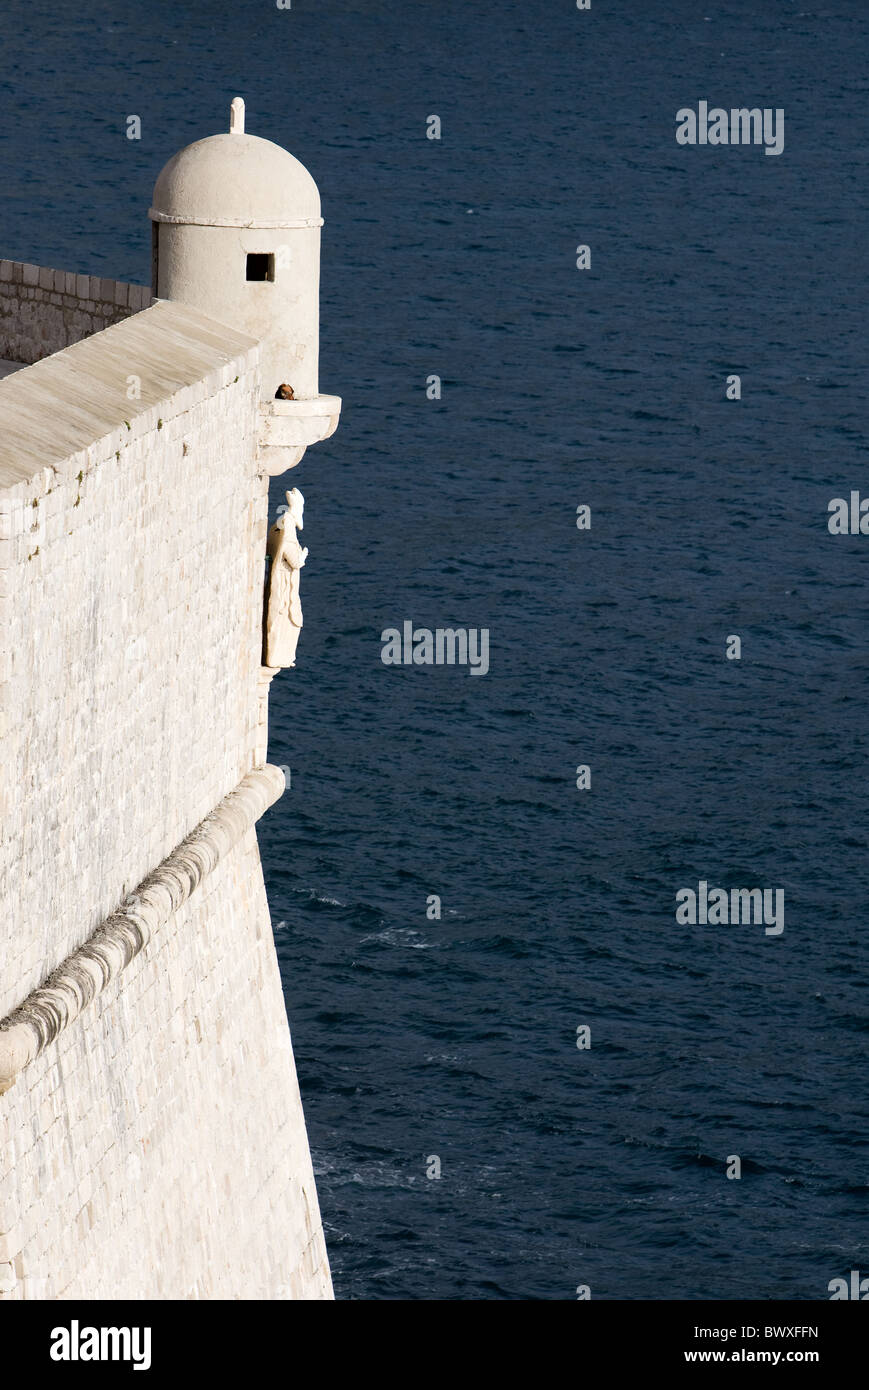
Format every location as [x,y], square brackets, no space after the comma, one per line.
[45,1013]
[43,310]
[155,1146]
[131,543]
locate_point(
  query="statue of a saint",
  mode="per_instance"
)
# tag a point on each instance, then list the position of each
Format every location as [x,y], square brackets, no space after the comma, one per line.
[284,610]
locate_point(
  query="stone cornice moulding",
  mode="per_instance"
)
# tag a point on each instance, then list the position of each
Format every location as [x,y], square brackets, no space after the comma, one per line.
[246,223]
[77,981]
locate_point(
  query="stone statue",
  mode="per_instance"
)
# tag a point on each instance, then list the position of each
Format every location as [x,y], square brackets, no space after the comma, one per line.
[284,611]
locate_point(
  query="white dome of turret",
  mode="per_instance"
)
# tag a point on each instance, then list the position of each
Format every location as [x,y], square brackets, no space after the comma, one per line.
[236,180]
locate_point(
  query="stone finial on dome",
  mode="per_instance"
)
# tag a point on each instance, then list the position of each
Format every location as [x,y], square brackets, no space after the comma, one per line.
[236,116]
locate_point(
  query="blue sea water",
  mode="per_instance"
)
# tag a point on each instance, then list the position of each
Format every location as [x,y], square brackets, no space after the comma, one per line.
[457,1038]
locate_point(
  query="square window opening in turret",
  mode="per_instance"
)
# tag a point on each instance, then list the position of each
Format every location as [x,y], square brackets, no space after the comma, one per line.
[260,266]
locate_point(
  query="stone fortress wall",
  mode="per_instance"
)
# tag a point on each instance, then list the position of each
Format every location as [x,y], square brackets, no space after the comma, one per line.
[43,310]
[152,1141]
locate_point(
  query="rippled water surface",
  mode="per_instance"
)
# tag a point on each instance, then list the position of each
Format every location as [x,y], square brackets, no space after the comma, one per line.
[457,1038]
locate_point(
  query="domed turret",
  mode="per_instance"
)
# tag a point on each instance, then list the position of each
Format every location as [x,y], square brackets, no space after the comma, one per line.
[236,233]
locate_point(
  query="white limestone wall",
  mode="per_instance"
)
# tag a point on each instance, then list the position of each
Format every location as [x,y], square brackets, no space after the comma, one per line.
[44,310]
[157,1147]
[132,582]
